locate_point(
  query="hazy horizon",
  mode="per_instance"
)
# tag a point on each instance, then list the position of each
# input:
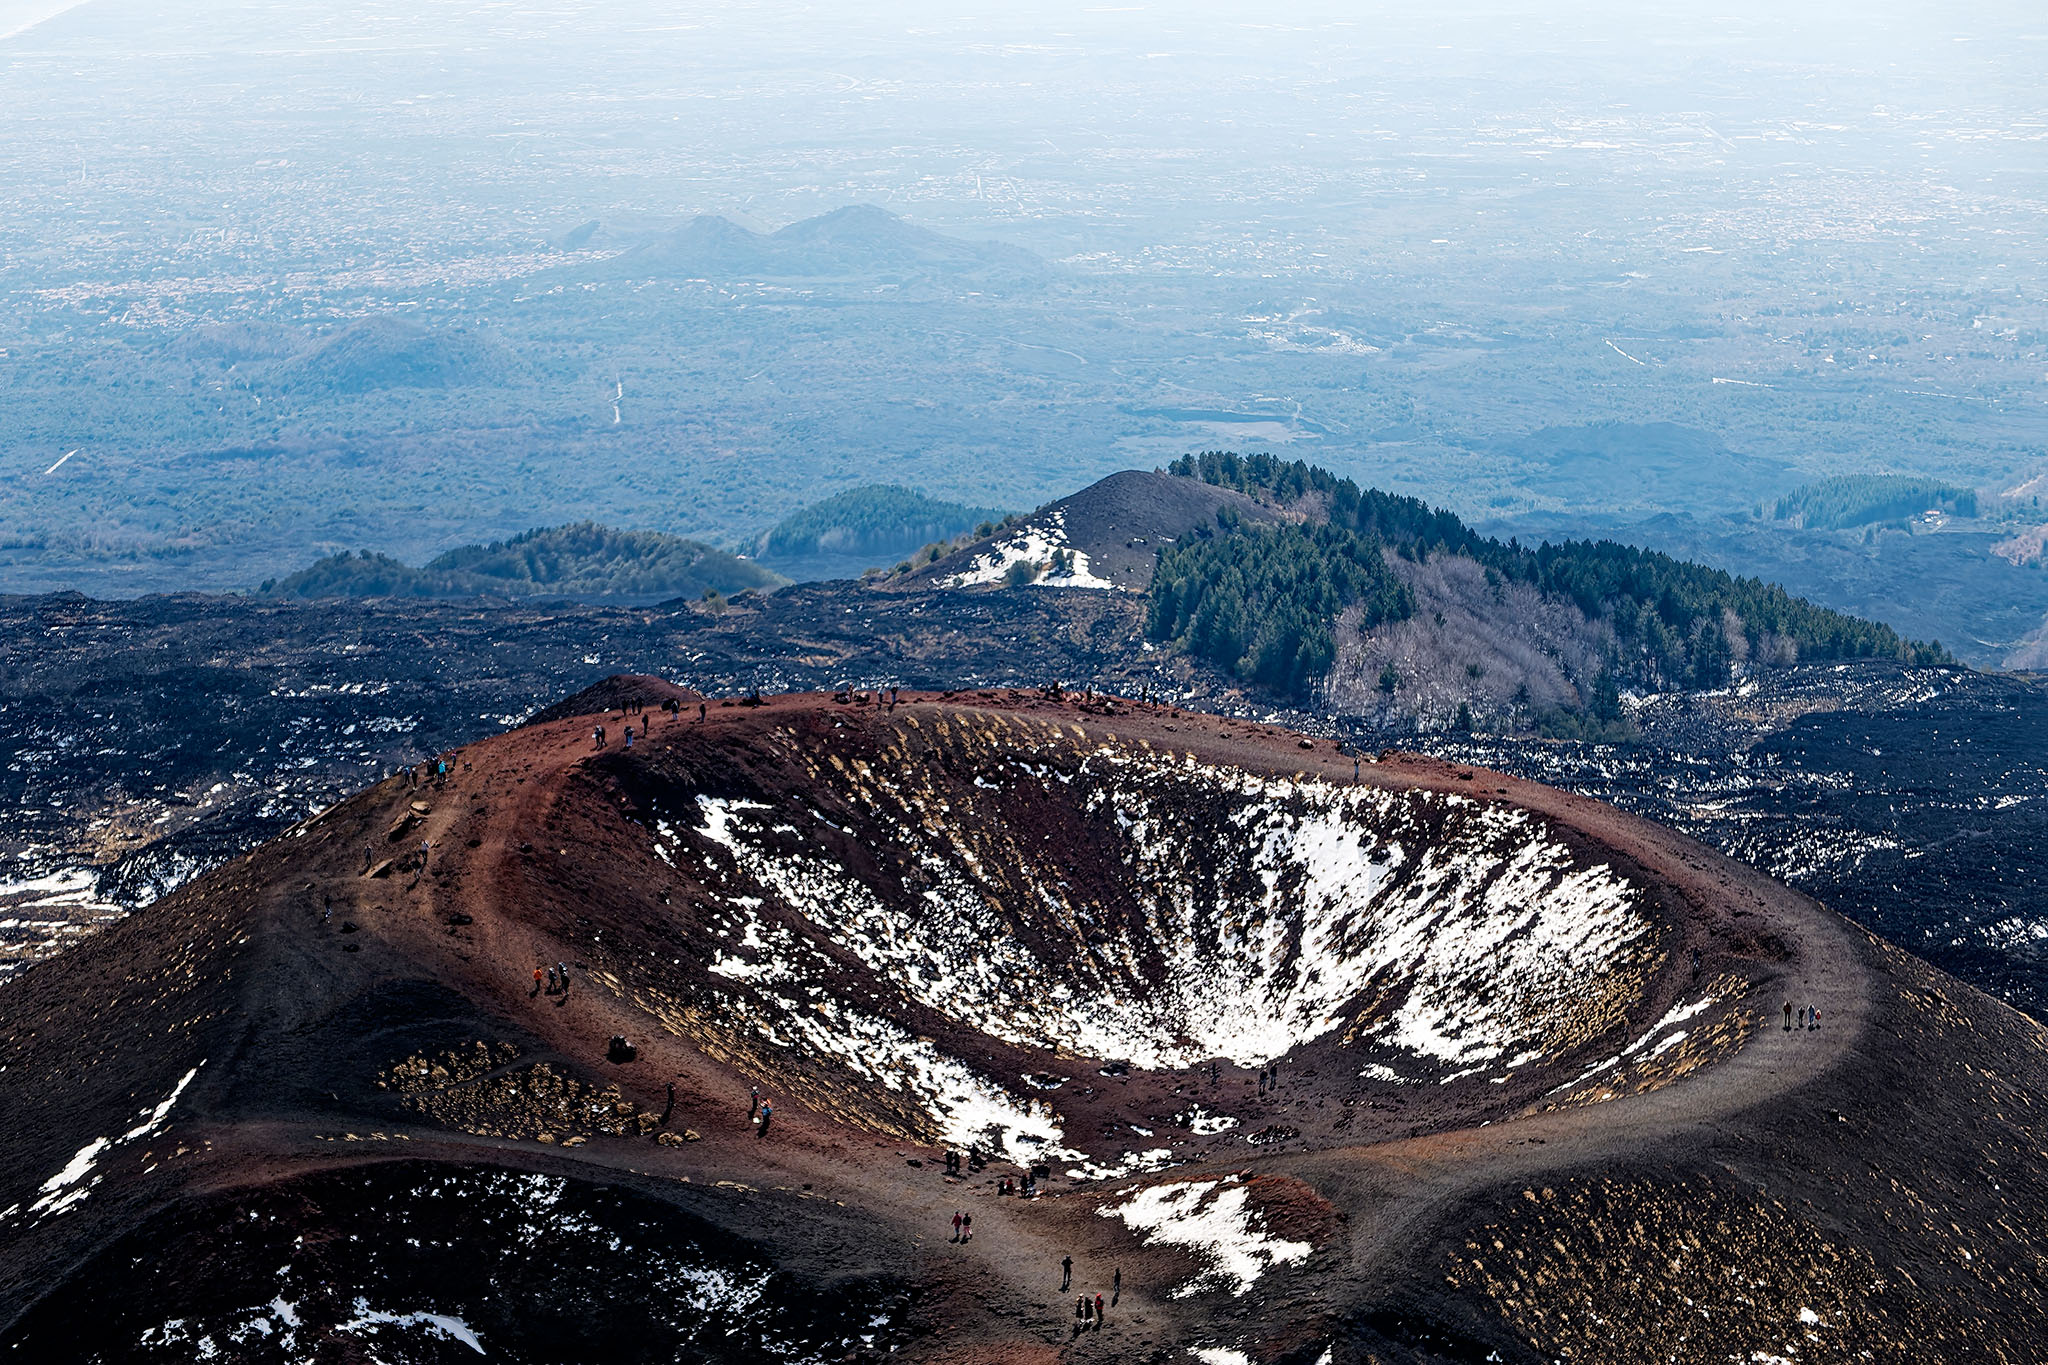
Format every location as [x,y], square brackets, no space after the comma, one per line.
[1410,244]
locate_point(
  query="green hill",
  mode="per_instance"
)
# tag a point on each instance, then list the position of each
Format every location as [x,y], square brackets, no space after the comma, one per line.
[1852,500]
[584,561]
[1262,603]
[877,522]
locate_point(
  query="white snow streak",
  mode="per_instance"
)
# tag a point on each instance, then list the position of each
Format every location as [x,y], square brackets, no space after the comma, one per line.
[1208,1218]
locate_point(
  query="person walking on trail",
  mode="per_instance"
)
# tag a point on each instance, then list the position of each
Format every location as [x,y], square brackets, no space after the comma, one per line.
[1116,1286]
[966,1227]
[670,1106]
[1816,1018]
[1099,1315]
[767,1113]
[537,975]
[562,970]
[700,713]
[956,1225]
[1066,1272]
[753,1101]
[551,981]
[1788,1016]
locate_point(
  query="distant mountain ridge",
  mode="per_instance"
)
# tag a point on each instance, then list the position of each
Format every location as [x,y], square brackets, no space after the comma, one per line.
[860,239]
[584,560]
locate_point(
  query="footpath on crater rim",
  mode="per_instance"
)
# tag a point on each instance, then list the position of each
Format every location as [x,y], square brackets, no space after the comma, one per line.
[684,1030]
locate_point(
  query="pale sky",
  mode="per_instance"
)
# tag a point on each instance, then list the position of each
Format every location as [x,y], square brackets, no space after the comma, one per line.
[16,15]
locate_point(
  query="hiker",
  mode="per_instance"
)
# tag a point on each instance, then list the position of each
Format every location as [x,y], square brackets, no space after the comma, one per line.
[767,1113]
[1788,1016]
[753,1101]
[1816,1018]
[700,713]
[1116,1286]
[956,1225]
[1080,1309]
[1098,1312]
[536,980]
[562,969]
[670,1106]
[1066,1271]
[629,736]
[551,981]
[1695,964]
[966,1227]
[597,737]
[1212,1071]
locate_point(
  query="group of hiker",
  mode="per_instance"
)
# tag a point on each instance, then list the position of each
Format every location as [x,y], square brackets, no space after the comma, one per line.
[888,698]
[759,1110]
[1807,1018]
[599,736]
[555,978]
[1090,1314]
[960,1164]
[436,770]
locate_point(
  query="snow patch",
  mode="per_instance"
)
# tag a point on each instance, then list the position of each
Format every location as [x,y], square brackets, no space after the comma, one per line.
[1210,1219]
[438,1324]
[68,1188]
[1033,544]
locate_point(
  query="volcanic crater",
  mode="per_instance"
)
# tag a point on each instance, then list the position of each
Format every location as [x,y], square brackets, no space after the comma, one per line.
[1392,1049]
[983,923]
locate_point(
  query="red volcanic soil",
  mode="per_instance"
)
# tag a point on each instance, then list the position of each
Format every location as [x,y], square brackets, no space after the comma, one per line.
[294,1047]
